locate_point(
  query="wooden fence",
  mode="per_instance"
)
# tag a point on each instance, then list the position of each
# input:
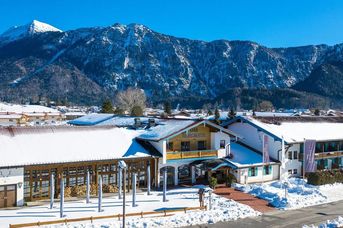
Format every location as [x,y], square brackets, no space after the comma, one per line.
[92,218]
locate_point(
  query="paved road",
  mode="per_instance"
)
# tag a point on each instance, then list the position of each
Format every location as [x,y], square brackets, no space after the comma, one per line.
[291,218]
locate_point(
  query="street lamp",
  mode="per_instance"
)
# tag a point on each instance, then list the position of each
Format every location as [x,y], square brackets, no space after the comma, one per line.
[122,166]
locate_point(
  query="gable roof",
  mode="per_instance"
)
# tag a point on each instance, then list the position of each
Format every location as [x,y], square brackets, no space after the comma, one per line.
[44,145]
[296,129]
[173,127]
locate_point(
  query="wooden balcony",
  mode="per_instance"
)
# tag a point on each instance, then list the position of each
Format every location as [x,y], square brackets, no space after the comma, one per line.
[174,155]
[328,154]
[324,155]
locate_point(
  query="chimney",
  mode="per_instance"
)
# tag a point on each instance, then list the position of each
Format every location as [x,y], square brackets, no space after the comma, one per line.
[138,122]
[151,122]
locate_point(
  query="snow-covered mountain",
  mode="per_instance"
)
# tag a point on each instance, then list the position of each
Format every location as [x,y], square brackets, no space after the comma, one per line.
[86,65]
[19,32]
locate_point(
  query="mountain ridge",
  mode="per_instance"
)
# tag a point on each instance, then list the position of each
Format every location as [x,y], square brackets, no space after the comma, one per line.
[119,56]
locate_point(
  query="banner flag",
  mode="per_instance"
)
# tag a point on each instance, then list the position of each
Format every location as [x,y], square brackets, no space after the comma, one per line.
[265,149]
[309,150]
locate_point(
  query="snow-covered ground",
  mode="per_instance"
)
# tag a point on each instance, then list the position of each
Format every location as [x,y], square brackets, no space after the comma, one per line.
[299,193]
[338,222]
[222,210]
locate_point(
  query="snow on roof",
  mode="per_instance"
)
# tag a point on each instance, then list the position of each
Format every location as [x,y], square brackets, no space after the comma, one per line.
[297,131]
[224,115]
[91,119]
[45,145]
[243,156]
[124,121]
[301,128]
[10,116]
[20,109]
[165,128]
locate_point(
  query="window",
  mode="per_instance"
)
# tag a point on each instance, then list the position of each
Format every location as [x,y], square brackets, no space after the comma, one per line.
[252,172]
[290,155]
[201,145]
[194,129]
[185,146]
[290,172]
[222,144]
[170,145]
[267,170]
[11,120]
[295,171]
[295,154]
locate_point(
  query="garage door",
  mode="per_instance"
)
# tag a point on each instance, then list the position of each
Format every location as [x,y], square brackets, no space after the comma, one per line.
[8,196]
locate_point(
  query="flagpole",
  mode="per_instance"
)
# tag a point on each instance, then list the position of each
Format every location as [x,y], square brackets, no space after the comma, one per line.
[263,156]
[304,160]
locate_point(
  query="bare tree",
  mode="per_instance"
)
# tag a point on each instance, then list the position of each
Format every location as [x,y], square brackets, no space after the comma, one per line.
[130,98]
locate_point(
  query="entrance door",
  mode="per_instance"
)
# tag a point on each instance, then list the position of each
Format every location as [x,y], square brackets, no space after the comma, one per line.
[8,196]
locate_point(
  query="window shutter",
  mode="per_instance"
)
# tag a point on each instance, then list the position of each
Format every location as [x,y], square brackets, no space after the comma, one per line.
[249,172]
[326,163]
[256,171]
[264,170]
[270,169]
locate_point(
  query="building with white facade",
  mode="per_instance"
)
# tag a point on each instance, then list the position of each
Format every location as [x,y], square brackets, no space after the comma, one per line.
[286,139]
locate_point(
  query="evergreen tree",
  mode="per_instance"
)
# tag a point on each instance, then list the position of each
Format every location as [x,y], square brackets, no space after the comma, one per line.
[209,113]
[317,112]
[217,116]
[253,113]
[107,107]
[167,107]
[137,111]
[231,114]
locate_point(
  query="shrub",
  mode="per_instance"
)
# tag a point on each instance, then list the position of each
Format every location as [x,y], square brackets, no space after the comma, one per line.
[213,182]
[230,179]
[325,177]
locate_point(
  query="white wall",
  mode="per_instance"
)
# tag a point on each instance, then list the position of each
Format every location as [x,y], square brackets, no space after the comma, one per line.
[253,138]
[243,175]
[161,146]
[215,142]
[291,164]
[14,176]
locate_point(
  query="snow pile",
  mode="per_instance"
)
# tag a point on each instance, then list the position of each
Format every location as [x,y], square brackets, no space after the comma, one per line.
[222,210]
[299,193]
[338,222]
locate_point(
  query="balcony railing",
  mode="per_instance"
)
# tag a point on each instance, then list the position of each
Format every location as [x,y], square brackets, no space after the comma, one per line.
[323,155]
[173,155]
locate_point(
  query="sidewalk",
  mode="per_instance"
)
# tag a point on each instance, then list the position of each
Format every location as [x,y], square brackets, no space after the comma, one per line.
[244,198]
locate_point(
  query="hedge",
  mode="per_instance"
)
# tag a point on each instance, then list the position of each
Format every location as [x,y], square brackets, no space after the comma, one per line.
[325,177]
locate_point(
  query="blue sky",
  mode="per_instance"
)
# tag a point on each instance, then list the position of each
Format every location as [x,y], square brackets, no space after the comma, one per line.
[273,23]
